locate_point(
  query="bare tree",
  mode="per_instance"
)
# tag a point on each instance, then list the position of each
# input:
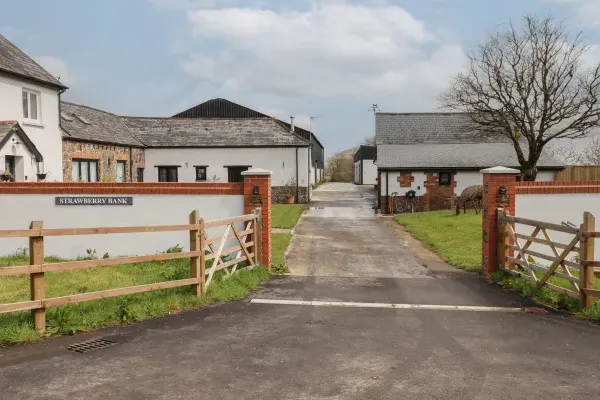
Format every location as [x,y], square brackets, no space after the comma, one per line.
[569,155]
[340,167]
[530,85]
[369,141]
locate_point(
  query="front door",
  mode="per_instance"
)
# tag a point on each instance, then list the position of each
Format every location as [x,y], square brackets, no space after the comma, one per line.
[10,166]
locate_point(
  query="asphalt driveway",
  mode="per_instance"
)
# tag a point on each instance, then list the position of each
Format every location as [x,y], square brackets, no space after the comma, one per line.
[341,253]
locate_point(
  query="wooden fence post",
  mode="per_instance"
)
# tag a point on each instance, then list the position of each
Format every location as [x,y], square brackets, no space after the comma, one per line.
[586,273]
[37,282]
[501,239]
[258,231]
[195,262]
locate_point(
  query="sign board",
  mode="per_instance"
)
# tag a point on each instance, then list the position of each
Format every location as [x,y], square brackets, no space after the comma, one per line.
[93,201]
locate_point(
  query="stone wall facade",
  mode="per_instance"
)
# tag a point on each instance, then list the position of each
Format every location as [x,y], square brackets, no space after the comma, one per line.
[280,194]
[107,157]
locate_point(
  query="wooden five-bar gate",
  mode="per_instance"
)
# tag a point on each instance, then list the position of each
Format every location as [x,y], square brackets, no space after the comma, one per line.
[244,252]
[572,261]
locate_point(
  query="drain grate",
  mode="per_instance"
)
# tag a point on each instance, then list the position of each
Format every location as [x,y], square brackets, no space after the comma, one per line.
[90,345]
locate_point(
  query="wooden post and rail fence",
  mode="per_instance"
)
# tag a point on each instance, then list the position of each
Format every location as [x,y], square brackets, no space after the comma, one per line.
[572,263]
[247,250]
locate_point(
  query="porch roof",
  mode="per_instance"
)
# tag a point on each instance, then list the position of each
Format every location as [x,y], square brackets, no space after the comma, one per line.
[8,128]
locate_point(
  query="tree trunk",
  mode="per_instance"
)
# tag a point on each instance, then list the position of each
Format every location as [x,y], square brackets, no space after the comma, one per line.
[529,173]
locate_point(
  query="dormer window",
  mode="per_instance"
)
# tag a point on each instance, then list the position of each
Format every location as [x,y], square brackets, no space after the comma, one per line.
[31,106]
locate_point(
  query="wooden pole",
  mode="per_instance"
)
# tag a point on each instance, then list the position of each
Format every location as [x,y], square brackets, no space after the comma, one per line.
[37,280]
[501,239]
[202,257]
[259,232]
[195,264]
[586,273]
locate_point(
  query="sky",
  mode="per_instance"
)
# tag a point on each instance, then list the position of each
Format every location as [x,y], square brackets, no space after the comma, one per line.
[330,59]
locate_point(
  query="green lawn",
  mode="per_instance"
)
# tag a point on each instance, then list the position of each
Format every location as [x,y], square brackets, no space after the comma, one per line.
[285,216]
[456,239]
[85,316]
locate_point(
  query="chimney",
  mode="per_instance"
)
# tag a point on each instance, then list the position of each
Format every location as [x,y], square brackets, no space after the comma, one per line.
[293,128]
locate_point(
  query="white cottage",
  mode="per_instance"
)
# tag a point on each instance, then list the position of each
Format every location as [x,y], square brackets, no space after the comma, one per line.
[30,134]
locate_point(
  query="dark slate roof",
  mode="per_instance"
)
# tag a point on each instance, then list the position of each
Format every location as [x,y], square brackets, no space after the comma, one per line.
[7,128]
[15,62]
[365,153]
[428,128]
[222,108]
[212,132]
[89,124]
[454,156]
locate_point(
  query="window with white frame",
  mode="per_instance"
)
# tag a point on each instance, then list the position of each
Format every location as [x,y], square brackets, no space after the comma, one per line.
[31,105]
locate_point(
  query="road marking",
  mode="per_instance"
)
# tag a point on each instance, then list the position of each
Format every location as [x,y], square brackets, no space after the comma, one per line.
[316,303]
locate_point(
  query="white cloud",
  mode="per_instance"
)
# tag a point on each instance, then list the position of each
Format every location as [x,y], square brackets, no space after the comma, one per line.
[332,49]
[57,67]
[587,10]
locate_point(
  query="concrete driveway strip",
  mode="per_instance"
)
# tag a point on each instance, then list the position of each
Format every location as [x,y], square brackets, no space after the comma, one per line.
[303,345]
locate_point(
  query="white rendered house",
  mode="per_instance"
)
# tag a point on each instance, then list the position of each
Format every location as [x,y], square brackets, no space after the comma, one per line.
[30,133]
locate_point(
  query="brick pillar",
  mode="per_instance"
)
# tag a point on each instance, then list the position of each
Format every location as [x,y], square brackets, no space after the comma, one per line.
[260,179]
[493,180]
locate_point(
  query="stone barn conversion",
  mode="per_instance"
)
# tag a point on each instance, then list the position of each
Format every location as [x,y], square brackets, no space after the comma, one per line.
[425,160]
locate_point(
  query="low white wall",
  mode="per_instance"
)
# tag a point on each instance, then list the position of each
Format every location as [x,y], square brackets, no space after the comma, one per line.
[146,210]
[556,208]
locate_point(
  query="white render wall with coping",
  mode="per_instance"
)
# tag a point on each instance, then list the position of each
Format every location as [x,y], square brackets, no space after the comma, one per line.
[46,136]
[556,208]
[146,210]
[463,179]
[280,160]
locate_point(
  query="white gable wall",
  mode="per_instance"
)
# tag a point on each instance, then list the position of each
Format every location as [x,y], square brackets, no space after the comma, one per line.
[46,136]
[280,161]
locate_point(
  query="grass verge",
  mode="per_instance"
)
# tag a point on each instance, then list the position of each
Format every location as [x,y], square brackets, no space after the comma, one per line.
[280,243]
[455,238]
[81,317]
[286,216]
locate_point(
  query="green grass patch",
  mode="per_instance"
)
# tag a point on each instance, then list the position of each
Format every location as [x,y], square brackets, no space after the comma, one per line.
[547,296]
[86,316]
[455,238]
[280,243]
[286,216]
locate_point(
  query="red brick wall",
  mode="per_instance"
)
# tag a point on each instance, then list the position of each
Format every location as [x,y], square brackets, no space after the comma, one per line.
[406,179]
[558,187]
[439,197]
[121,188]
[262,200]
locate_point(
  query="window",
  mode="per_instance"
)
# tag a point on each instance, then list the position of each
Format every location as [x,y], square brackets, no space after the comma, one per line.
[140,174]
[167,174]
[85,170]
[445,178]
[31,105]
[235,174]
[121,171]
[200,173]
